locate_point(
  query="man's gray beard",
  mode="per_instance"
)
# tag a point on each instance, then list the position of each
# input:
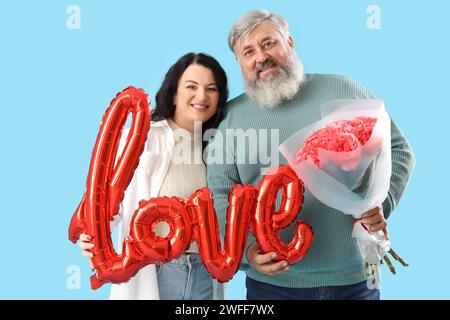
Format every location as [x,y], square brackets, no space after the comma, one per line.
[272,91]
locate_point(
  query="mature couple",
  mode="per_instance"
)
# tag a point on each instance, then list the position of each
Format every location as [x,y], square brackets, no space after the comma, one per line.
[278,96]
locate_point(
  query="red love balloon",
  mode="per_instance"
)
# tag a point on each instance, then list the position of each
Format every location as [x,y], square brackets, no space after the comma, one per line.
[106,184]
[189,219]
[222,264]
[267,222]
[143,225]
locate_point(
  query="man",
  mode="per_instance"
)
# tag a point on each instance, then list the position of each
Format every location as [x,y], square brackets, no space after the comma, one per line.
[279,96]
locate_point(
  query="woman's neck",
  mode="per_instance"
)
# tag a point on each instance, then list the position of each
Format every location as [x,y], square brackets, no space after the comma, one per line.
[186,125]
[194,127]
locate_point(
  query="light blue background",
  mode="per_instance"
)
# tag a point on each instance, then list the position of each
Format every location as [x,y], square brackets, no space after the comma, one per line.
[56,83]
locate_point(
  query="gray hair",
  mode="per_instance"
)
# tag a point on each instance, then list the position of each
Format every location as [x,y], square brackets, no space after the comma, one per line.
[251,20]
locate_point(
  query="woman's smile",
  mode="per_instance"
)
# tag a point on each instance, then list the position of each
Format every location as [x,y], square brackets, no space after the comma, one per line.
[201,107]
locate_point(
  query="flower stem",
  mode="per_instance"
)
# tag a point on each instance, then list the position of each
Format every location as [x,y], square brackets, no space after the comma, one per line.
[389,264]
[398,258]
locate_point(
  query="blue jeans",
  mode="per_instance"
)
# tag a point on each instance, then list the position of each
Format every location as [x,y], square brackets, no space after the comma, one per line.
[257,290]
[186,278]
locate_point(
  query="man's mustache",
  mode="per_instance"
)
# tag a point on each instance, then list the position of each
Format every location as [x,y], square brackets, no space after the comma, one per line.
[268,63]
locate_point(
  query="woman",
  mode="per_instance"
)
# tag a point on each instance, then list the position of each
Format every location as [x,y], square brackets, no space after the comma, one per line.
[192,95]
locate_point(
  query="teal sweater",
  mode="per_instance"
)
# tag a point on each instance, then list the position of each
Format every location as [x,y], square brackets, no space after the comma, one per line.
[333,258]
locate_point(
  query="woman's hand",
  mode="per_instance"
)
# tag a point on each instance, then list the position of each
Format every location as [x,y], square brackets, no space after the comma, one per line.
[85,245]
[263,262]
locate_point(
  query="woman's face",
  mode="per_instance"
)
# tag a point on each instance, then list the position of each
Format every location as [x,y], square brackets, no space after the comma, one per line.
[196,98]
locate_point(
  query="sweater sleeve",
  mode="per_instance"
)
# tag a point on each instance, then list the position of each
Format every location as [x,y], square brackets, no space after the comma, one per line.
[403,161]
[402,155]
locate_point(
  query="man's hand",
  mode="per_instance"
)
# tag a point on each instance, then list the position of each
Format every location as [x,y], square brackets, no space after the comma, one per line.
[263,262]
[375,221]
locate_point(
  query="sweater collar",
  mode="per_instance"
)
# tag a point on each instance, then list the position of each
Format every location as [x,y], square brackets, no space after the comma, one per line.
[180,133]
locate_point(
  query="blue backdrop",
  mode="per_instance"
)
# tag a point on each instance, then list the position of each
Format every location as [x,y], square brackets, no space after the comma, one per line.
[57,78]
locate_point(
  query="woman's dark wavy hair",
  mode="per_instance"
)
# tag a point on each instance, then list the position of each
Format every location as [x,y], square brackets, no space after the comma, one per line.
[164,98]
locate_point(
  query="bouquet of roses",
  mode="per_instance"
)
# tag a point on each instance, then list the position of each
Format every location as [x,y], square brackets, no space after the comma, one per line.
[345,161]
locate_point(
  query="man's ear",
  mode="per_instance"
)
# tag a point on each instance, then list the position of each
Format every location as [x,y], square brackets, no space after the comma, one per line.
[290,42]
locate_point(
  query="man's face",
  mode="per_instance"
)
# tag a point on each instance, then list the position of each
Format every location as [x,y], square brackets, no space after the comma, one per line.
[262,52]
